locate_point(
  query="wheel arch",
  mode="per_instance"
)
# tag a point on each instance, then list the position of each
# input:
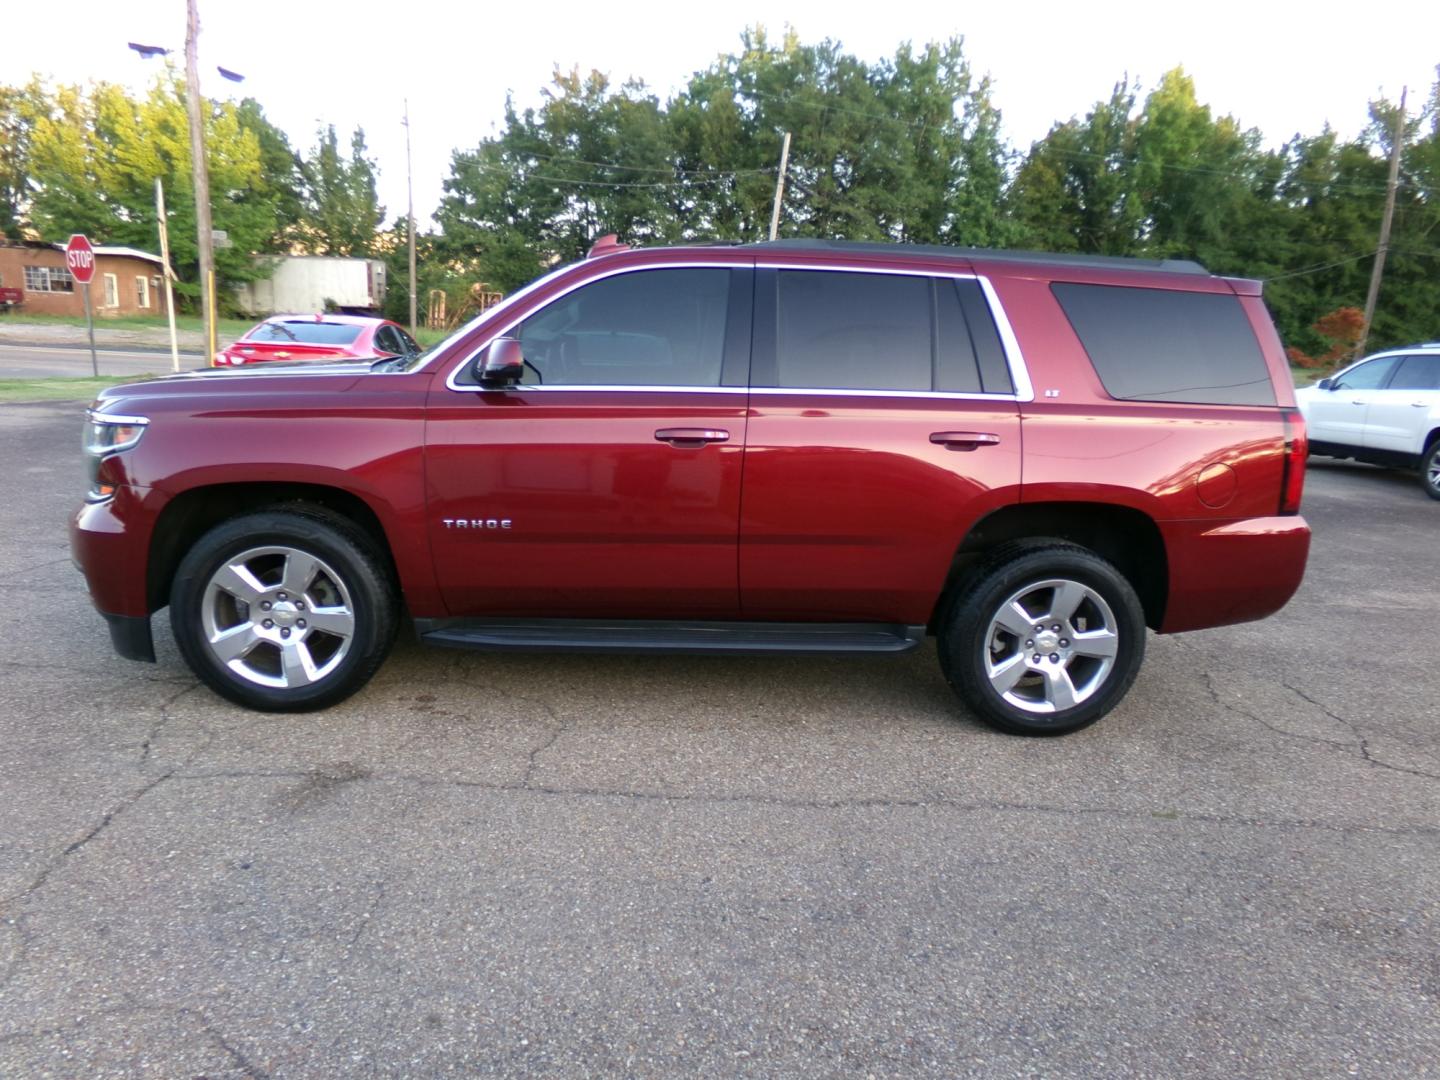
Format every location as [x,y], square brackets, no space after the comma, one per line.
[193,512]
[1128,538]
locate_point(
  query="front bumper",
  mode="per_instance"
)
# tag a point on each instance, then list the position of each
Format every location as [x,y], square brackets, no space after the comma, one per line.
[1232,573]
[112,552]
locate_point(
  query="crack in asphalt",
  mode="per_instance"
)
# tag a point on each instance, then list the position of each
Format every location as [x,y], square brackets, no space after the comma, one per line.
[244,1064]
[20,899]
[8,574]
[1363,742]
[938,802]
[367,918]
[1358,750]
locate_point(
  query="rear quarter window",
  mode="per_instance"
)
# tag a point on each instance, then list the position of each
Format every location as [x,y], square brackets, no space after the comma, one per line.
[1164,345]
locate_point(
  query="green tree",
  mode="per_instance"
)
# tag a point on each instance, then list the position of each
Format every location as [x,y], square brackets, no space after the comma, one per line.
[341,209]
[95,157]
[20,107]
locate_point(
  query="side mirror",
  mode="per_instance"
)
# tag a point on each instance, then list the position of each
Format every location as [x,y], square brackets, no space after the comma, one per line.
[1325,384]
[501,362]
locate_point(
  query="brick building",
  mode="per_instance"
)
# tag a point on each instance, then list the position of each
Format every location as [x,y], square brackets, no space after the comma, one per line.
[127,281]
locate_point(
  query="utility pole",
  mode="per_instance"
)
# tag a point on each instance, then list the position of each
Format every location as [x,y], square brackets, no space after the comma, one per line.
[410,213]
[780,186]
[169,274]
[1397,142]
[201,179]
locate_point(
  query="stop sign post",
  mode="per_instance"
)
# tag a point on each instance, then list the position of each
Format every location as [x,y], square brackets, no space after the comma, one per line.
[80,261]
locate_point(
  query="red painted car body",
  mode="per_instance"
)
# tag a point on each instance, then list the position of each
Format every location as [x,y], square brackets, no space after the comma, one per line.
[327,337]
[822,506]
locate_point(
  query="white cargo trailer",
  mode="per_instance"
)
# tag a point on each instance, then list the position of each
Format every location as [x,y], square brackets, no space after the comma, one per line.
[305,283]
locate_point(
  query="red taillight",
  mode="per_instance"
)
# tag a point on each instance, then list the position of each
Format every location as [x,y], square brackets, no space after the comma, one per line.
[1297,448]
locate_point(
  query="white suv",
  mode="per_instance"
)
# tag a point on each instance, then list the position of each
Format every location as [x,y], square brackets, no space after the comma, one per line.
[1384,409]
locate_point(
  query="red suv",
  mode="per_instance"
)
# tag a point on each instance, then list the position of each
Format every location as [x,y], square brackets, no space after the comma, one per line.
[784,447]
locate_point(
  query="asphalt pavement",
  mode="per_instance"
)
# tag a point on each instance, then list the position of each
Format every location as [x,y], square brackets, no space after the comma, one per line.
[722,867]
[26,361]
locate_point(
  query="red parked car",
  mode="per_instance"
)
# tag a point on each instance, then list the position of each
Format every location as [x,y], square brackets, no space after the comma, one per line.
[318,337]
[785,447]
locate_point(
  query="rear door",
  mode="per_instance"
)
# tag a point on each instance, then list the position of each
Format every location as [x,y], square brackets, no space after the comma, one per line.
[1399,415]
[883,423]
[607,483]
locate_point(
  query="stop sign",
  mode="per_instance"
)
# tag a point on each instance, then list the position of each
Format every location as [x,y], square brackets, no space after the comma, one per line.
[80,258]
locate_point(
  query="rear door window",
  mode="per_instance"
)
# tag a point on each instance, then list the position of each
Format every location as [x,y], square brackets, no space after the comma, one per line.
[840,330]
[1165,345]
[848,331]
[1417,373]
[387,341]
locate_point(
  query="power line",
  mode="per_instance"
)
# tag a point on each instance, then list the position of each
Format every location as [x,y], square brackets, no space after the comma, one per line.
[515,172]
[645,168]
[1321,266]
[825,106]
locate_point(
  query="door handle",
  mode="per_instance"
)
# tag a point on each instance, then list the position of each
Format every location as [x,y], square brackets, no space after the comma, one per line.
[689,438]
[1357,402]
[964,440]
[1418,404]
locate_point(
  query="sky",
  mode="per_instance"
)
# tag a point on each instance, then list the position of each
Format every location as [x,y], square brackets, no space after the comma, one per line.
[1284,68]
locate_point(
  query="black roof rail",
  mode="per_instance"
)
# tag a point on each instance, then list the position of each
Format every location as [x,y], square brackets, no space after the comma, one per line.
[1111,262]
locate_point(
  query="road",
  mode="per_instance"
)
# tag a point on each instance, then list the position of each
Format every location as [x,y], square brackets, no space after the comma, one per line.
[725,867]
[45,361]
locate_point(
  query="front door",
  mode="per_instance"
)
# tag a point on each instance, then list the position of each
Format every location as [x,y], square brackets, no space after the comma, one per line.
[1338,415]
[607,483]
[883,425]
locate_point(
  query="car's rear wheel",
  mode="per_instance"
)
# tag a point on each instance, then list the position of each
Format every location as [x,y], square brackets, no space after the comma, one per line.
[1044,639]
[1430,470]
[283,610]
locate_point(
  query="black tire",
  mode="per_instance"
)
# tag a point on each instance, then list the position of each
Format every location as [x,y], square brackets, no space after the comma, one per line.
[972,646]
[1430,470]
[351,583]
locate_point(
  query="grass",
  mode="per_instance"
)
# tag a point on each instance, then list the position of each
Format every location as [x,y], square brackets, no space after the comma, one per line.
[13,390]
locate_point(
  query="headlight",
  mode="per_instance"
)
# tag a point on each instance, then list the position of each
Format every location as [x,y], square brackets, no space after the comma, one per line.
[107,434]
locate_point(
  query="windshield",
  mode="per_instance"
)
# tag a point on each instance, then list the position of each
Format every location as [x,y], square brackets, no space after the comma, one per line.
[308,332]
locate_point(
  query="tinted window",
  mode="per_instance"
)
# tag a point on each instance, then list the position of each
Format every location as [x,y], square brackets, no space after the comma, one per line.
[955,367]
[1417,373]
[1162,345]
[307,331]
[985,339]
[1370,375]
[387,341]
[646,328]
[854,331]
[407,342]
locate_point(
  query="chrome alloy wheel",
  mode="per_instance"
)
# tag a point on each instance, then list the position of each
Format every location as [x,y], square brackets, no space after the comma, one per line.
[277,616]
[1051,646]
[1432,474]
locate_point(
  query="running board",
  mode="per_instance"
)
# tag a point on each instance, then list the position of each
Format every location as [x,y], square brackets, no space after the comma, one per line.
[642,636]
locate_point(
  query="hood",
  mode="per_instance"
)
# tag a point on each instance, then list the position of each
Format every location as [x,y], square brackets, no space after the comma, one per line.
[212,385]
[278,367]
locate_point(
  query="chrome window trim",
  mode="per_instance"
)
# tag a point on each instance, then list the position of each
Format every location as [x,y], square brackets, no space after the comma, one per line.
[821,391]
[609,387]
[1014,359]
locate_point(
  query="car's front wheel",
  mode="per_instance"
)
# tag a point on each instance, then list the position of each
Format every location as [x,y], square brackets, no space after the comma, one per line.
[1045,639]
[1430,470]
[283,610]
